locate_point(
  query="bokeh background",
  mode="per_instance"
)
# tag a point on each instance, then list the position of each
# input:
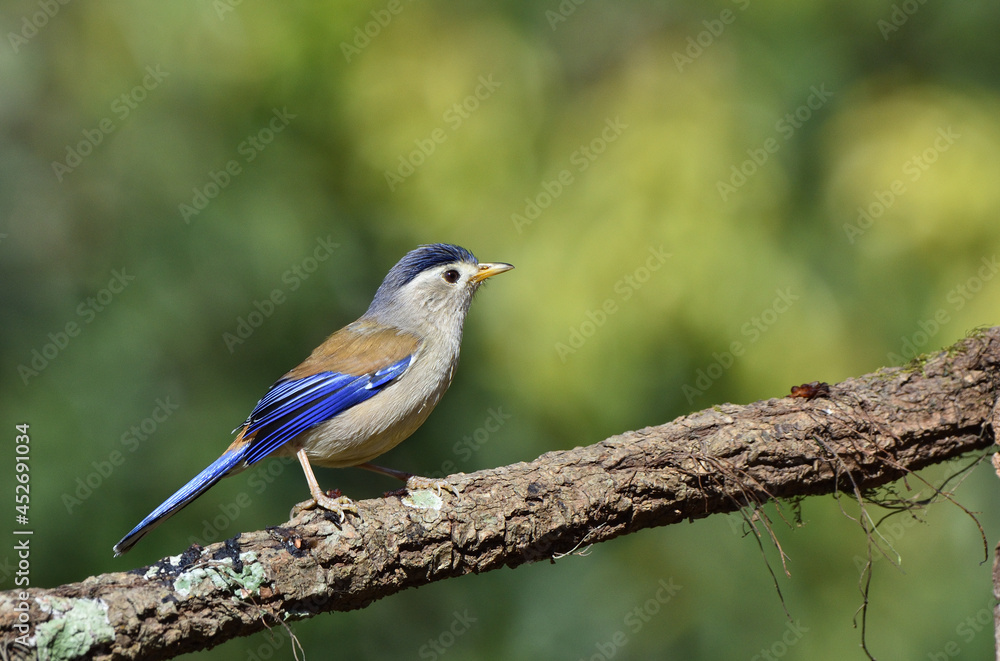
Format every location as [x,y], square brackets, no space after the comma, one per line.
[192,195]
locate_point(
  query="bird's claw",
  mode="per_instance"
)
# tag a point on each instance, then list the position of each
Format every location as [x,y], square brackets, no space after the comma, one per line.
[415,483]
[338,506]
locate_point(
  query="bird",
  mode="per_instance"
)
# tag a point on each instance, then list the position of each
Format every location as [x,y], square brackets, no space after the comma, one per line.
[361,392]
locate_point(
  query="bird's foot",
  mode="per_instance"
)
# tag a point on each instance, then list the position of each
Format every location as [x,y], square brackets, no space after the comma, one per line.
[416,483]
[339,505]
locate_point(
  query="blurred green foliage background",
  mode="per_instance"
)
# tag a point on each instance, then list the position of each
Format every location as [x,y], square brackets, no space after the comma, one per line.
[822,176]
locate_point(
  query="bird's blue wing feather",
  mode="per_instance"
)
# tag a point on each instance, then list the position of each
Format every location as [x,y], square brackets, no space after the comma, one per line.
[293,406]
[273,404]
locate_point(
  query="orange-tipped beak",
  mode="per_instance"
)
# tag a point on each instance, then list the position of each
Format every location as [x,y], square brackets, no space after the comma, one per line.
[488,270]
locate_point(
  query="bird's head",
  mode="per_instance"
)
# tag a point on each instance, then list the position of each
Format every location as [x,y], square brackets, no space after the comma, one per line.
[431,287]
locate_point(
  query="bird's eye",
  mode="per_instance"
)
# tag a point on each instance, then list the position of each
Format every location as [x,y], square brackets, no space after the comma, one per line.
[451,276]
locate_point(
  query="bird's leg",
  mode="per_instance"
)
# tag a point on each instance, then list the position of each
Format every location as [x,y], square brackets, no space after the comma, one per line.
[413,482]
[319,498]
[391,472]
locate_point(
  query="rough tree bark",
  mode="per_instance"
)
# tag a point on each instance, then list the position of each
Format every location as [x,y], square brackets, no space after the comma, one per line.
[863,433]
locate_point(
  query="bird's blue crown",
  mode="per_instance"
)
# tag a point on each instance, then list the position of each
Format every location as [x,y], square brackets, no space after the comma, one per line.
[426,257]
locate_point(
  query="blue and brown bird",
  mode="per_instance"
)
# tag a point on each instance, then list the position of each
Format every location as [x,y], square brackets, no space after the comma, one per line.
[362,391]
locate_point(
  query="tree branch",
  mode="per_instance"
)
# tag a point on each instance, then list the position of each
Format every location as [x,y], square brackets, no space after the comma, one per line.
[865,432]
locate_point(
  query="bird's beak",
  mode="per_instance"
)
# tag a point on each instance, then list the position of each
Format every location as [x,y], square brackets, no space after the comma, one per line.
[487,270]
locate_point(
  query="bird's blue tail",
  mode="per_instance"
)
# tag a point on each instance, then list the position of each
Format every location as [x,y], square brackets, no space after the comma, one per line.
[229,461]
